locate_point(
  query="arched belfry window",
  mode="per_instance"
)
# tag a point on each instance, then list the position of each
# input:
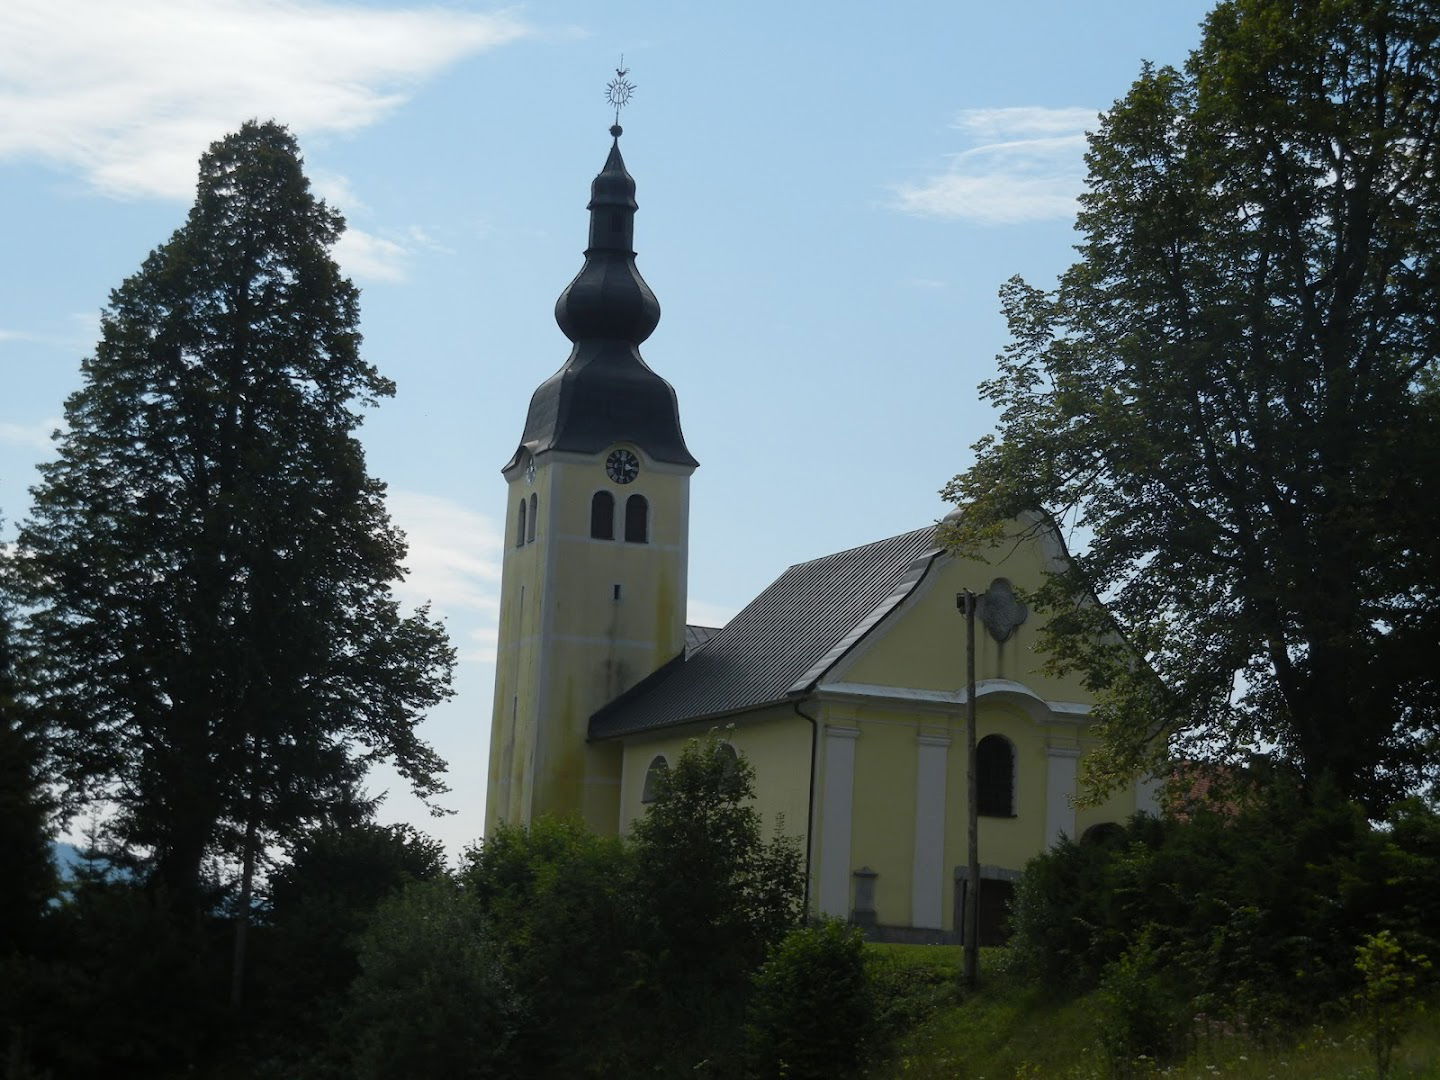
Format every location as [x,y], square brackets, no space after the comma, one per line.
[637,520]
[534,518]
[657,771]
[520,525]
[995,776]
[602,516]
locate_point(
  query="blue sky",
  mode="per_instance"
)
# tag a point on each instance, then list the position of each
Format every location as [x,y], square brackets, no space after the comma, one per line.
[830,196]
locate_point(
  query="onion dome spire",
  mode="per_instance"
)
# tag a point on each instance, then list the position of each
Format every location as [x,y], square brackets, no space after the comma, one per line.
[609,298]
[605,393]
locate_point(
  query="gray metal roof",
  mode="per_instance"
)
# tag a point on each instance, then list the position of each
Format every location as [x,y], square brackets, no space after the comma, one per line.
[782,642]
[696,637]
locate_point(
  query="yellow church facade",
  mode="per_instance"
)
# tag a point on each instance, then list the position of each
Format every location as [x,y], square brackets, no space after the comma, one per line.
[842,683]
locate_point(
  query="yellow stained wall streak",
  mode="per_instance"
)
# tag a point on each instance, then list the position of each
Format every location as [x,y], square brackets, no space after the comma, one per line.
[568,644]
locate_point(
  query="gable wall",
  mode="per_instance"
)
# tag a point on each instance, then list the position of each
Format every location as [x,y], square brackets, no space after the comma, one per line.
[922,643]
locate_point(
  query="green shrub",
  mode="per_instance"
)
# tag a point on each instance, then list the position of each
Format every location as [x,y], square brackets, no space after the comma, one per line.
[811,1013]
[1256,909]
[431,999]
[1387,1001]
[1144,1012]
[558,906]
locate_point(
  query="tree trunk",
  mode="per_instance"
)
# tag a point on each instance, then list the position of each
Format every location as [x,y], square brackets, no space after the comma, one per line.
[242,917]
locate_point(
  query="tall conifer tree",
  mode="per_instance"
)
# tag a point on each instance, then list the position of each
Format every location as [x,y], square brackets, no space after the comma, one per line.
[207,565]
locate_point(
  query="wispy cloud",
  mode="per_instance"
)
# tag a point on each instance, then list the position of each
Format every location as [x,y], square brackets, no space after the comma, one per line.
[83,333]
[129,94]
[706,613]
[33,436]
[1030,168]
[1022,120]
[455,556]
[369,257]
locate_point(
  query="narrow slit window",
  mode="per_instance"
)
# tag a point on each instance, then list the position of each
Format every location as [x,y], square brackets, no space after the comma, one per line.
[534,518]
[520,526]
[602,516]
[637,520]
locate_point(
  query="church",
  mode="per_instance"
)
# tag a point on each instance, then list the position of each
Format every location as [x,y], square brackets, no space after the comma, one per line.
[842,683]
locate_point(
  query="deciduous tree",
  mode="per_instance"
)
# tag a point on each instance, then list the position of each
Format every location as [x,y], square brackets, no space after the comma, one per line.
[1233,395]
[715,895]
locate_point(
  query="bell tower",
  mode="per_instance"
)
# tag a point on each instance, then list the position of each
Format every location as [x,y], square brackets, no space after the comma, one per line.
[592,595]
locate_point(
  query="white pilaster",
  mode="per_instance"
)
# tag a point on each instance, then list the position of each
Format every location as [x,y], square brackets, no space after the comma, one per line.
[835,820]
[928,875]
[1147,795]
[1061,766]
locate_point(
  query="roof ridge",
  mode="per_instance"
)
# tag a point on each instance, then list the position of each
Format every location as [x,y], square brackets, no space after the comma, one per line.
[858,547]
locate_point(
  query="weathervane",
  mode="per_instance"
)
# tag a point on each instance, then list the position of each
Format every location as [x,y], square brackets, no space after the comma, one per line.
[618,91]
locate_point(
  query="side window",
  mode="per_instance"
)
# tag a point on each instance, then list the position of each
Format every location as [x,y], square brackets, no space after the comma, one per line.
[602,516]
[520,526]
[637,520]
[729,762]
[534,518]
[995,776]
[659,768]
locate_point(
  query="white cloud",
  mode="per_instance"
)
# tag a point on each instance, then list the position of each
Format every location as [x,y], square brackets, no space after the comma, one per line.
[368,257]
[706,613]
[455,556]
[1024,120]
[33,436]
[483,641]
[1031,169]
[335,189]
[129,94]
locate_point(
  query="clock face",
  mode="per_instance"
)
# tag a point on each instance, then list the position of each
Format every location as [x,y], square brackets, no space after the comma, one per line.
[622,466]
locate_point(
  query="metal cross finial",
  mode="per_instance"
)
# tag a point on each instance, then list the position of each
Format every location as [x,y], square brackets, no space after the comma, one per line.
[619,89]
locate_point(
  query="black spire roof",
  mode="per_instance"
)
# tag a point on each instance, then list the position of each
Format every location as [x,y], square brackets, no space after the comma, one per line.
[604,393]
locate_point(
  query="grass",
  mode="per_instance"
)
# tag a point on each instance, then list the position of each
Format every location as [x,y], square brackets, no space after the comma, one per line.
[1013,1030]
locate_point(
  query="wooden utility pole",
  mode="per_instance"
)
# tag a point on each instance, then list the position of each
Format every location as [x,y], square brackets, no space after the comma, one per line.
[970,933]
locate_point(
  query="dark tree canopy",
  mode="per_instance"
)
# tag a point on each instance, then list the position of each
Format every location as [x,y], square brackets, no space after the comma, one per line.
[207,564]
[28,880]
[1232,396]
